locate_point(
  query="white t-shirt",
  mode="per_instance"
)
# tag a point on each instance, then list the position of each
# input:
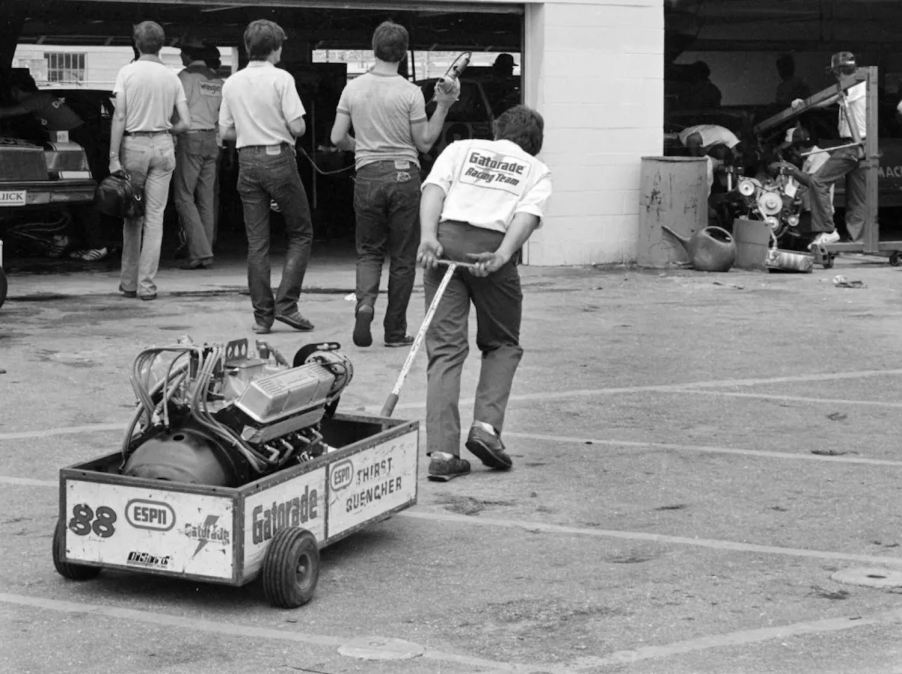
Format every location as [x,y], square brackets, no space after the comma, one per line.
[486,182]
[259,101]
[150,91]
[857,105]
[711,134]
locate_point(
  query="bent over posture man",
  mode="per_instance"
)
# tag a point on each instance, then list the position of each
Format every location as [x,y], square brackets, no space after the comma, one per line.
[481,202]
[388,115]
[262,112]
[147,96]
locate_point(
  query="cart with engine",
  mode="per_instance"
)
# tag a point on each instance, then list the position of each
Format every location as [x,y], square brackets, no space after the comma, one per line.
[233,468]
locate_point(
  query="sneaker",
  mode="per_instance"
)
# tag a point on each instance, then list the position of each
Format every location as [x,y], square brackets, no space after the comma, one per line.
[127,293]
[487,447]
[406,340]
[362,320]
[444,467]
[260,329]
[296,321]
[825,238]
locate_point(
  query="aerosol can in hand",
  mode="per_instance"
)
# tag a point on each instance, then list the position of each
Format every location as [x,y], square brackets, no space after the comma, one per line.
[446,83]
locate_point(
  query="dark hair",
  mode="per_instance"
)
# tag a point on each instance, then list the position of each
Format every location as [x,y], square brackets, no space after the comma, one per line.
[523,126]
[261,38]
[390,41]
[149,37]
[211,57]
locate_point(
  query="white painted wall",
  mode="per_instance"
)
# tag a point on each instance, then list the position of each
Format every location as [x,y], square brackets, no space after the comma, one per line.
[595,70]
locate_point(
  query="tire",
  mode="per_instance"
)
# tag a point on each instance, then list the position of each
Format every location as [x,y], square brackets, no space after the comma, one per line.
[894,260]
[290,568]
[828,261]
[65,569]
[3,286]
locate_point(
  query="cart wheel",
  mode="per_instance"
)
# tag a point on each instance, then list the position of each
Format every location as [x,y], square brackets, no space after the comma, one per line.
[894,260]
[291,568]
[65,569]
[3,286]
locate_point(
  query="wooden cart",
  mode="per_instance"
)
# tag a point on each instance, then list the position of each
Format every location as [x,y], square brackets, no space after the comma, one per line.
[273,527]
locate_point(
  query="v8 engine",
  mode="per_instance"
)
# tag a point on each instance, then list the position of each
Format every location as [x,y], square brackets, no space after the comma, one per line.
[215,415]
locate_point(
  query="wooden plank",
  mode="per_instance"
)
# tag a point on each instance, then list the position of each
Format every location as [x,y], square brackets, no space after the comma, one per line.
[811,102]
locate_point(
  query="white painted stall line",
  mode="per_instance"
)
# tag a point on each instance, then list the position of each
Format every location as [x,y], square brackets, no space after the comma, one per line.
[687,387]
[428,513]
[794,456]
[423,512]
[739,638]
[243,630]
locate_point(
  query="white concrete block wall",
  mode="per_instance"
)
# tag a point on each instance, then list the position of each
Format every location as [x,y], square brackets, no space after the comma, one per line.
[595,69]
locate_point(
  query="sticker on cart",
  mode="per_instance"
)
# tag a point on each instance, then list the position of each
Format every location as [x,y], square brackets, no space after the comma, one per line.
[134,527]
[297,502]
[371,482]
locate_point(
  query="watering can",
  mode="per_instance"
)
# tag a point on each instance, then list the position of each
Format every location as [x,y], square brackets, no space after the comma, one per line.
[709,249]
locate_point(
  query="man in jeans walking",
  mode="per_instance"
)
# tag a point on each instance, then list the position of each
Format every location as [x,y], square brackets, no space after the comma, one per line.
[197,154]
[262,112]
[388,115]
[147,93]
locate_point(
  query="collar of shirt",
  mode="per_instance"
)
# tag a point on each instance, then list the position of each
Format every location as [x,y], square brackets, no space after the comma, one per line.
[260,64]
[150,57]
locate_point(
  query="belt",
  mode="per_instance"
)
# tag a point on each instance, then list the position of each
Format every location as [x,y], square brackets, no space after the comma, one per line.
[144,133]
[278,146]
[200,131]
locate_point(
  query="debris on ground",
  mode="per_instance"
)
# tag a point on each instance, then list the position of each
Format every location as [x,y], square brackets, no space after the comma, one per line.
[841,281]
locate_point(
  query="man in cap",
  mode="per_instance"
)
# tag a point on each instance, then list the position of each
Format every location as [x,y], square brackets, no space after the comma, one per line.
[503,88]
[196,155]
[844,162]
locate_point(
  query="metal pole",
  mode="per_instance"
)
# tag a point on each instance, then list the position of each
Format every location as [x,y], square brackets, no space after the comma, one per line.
[392,399]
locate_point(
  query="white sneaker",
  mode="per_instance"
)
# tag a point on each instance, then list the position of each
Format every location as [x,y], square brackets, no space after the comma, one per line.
[825,238]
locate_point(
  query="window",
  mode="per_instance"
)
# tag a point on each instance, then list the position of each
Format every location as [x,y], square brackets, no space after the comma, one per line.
[65,67]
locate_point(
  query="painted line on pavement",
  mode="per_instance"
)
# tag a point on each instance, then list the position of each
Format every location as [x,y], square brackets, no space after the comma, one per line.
[66,430]
[429,513]
[739,638]
[244,630]
[688,387]
[424,512]
[705,448]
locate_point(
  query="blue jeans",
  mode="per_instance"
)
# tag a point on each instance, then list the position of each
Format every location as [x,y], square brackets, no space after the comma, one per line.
[193,188]
[387,206]
[149,161]
[265,174]
[498,300]
[843,162]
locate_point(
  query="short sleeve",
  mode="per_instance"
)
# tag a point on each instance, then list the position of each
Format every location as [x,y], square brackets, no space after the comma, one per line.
[292,108]
[226,120]
[119,85]
[344,104]
[536,197]
[445,167]
[417,105]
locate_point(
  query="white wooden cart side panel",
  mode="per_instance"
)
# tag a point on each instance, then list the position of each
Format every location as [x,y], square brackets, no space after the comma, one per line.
[297,502]
[149,530]
[370,483]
